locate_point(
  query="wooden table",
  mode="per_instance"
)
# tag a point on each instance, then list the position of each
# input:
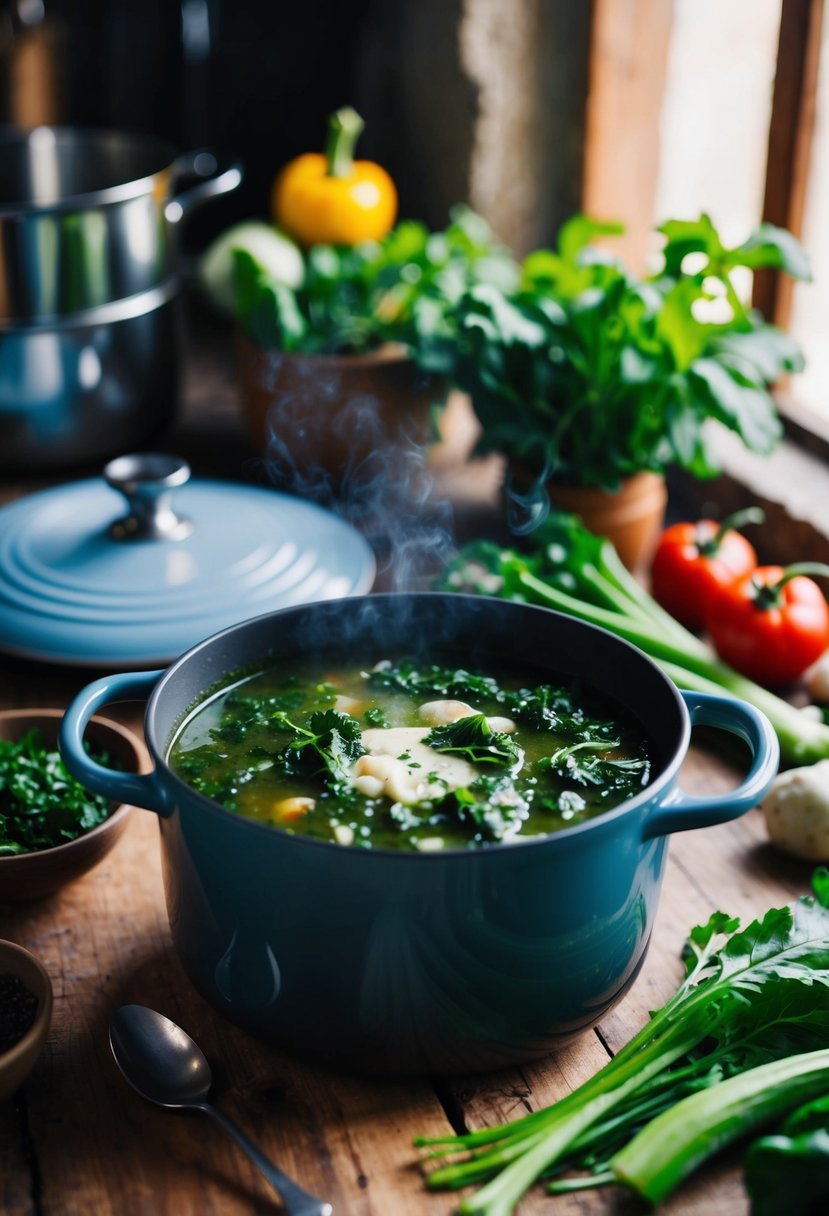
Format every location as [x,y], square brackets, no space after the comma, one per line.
[78,1142]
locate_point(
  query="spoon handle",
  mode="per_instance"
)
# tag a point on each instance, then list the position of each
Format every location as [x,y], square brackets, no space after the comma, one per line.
[296,1202]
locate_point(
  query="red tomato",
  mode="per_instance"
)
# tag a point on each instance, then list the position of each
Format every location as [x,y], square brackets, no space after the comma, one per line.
[771,624]
[693,561]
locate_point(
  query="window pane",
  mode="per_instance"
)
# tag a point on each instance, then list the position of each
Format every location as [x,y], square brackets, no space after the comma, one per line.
[716,113]
[810,305]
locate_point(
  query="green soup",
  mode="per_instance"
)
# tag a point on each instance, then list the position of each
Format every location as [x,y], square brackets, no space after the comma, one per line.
[409,756]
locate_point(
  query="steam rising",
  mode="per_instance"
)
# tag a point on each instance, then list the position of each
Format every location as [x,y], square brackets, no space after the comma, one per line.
[526,508]
[363,458]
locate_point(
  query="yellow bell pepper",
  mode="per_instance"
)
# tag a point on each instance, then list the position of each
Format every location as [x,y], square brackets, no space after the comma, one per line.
[330,198]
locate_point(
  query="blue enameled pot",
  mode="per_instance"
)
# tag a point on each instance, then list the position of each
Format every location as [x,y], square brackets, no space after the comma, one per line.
[429,962]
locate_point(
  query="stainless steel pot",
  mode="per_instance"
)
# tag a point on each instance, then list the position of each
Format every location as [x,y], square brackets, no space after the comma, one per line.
[88,388]
[88,273]
[89,217]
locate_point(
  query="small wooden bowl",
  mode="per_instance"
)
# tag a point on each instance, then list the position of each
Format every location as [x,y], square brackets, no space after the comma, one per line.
[18,1061]
[33,875]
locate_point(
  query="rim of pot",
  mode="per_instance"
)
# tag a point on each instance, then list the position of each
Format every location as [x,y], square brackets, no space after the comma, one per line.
[120,192]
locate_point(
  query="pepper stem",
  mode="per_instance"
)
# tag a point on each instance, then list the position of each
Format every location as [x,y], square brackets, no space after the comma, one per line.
[748,515]
[344,129]
[768,594]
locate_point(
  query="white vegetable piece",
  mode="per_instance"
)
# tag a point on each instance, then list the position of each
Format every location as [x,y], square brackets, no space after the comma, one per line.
[817,679]
[796,810]
[399,765]
[441,713]
[275,252]
[501,726]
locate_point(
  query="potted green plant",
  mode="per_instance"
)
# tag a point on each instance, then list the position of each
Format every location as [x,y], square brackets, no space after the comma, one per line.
[592,382]
[330,322]
[329,369]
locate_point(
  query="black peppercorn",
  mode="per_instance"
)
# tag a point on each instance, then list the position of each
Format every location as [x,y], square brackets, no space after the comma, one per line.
[18,1008]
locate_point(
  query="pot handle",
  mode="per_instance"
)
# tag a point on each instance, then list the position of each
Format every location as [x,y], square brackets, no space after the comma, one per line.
[204,165]
[683,811]
[131,788]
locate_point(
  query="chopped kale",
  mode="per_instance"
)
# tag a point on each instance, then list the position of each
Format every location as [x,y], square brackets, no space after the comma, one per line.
[330,742]
[434,681]
[475,739]
[585,764]
[490,806]
[41,803]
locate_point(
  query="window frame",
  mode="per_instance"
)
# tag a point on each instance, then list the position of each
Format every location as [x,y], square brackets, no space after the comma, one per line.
[788,165]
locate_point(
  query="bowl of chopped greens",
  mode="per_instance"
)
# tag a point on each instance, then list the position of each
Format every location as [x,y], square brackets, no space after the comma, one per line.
[52,830]
[25,1014]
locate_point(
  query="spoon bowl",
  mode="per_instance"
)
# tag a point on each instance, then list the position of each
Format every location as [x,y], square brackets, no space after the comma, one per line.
[163,1064]
[158,1058]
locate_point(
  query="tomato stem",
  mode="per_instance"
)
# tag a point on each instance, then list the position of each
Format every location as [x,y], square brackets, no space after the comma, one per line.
[344,129]
[767,595]
[748,515]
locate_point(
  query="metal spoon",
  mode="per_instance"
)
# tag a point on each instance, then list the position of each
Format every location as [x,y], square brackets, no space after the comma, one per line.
[165,1066]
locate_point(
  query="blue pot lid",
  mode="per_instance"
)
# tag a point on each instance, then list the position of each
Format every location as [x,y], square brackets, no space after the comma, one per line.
[89,578]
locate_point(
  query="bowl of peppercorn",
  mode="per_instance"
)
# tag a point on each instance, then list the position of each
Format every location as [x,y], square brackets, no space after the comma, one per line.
[25,1014]
[52,830]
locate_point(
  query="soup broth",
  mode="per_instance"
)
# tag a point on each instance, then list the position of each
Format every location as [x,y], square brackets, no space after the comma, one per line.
[409,756]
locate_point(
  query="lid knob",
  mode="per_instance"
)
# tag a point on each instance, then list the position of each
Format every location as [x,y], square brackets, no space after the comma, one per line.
[147,481]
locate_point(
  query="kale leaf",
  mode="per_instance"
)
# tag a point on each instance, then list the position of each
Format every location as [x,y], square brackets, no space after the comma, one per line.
[330,742]
[490,806]
[475,739]
[434,680]
[583,764]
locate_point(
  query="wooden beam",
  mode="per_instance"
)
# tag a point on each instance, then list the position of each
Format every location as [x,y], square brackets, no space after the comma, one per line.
[628,68]
[791,132]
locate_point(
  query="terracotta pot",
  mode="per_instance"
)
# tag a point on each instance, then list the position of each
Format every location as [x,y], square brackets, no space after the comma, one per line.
[344,423]
[631,517]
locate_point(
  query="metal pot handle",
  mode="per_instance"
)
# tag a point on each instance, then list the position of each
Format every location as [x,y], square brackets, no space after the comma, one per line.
[680,811]
[204,165]
[131,788]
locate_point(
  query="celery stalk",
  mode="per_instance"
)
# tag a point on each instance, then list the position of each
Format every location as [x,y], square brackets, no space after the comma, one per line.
[673,1144]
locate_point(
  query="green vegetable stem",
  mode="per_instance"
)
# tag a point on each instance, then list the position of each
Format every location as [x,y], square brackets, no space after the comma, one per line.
[677,1141]
[741,1040]
[571,570]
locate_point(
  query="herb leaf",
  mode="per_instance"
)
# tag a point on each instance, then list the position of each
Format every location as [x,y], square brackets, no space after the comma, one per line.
[474,738]
[331,741]
[353,298]
[41,803]
[587,373]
